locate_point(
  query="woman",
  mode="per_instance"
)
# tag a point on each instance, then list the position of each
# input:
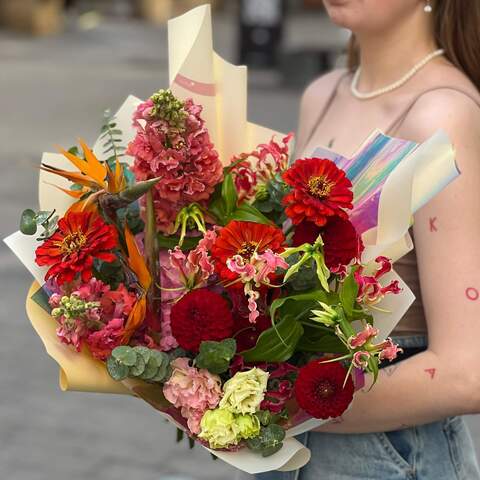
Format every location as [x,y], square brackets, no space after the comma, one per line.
[409,89]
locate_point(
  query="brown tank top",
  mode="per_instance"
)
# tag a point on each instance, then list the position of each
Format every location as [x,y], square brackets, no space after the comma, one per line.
[414,320]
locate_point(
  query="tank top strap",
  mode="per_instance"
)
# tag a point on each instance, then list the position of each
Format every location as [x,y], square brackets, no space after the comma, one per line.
[403,115]
[327,105]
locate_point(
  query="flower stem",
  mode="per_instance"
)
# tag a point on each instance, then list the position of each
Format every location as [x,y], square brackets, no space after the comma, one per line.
[151,258]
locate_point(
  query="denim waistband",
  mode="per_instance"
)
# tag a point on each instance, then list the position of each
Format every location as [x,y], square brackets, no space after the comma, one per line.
[411,341]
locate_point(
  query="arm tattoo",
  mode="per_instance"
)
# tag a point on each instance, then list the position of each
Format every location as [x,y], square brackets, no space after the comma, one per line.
[472,293]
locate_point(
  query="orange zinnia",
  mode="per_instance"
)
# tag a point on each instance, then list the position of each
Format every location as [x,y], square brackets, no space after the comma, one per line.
[244,239]
[70,251]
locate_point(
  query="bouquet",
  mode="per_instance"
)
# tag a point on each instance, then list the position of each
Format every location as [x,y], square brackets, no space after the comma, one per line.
[243,294]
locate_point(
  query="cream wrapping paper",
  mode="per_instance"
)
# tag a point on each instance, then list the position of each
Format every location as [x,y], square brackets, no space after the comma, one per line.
[196,71]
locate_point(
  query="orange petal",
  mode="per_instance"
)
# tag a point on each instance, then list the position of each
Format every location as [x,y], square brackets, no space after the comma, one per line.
[136,261]
[96,168]
[136,317]
[71,176]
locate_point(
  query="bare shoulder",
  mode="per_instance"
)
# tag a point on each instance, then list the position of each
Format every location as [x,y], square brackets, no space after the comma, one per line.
[313,101]
[452,104]
[318,91]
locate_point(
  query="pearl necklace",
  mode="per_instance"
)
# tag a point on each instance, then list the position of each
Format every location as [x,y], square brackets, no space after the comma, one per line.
[395,85]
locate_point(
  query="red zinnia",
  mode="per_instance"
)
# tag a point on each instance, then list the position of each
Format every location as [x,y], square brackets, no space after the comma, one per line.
[319,389]
[201,315]
[80,238]
[320,190]
[244,239]
[341,242]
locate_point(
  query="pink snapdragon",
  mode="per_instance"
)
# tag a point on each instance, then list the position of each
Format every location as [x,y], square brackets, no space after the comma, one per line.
[370,291]
[180,154]
[193,391]
[102,342]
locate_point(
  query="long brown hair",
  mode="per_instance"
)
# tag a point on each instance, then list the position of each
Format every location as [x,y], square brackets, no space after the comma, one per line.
[456,26]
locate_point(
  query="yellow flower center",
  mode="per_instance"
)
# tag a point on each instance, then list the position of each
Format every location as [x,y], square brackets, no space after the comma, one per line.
[73,242]
[247,249]
[320,187]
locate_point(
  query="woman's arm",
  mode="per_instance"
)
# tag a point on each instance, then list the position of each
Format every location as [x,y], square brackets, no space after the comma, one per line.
[445,379]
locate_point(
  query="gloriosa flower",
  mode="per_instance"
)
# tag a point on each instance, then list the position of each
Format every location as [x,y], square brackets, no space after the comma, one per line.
[80,238]
[319,190]
[370,291]
[173,144]
[254,169]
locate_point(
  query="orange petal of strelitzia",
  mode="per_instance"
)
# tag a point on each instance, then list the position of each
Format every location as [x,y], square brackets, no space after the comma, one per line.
[136,262]
[136,318]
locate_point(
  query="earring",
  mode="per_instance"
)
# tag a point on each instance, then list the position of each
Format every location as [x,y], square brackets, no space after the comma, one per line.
[427,8]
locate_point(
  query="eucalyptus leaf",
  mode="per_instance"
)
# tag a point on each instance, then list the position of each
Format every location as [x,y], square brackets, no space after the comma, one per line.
[216,356]
[28,223]
[125,355]
[139,367]
[118,371]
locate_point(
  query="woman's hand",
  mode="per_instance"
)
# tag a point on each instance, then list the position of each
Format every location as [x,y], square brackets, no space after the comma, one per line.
[445,379]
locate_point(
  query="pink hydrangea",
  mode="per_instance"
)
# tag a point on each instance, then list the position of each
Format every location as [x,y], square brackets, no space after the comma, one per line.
[102,342]
[184,159]
[192,390]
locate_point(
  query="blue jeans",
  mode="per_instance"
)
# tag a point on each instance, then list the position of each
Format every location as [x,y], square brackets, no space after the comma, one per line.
[437,451]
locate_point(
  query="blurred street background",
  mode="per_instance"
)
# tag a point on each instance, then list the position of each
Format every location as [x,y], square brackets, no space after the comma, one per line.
[61,64]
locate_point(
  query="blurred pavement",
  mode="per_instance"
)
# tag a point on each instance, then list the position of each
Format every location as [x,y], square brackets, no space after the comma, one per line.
[53,90]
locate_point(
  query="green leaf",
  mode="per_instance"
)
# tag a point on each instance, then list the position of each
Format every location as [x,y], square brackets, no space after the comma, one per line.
[125,355]
[189,243]
[118,371]
[373,366]
[139,367]
[28,223]
[277,344]
[318,341]
[151,369]
[348,293]
[229,194]
[143,351]
[264,416]
[216,356]
[248,213]
[300,305]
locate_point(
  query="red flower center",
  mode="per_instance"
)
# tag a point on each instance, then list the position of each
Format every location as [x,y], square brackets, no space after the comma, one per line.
[73,242]
[320,187]
[247,249]
[325,389]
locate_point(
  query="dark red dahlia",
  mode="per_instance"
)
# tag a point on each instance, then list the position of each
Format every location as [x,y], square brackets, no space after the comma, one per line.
[341,242]
[246,333]
[201,315]
[319,389]
[244,239]
[80,238]
[319,190]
